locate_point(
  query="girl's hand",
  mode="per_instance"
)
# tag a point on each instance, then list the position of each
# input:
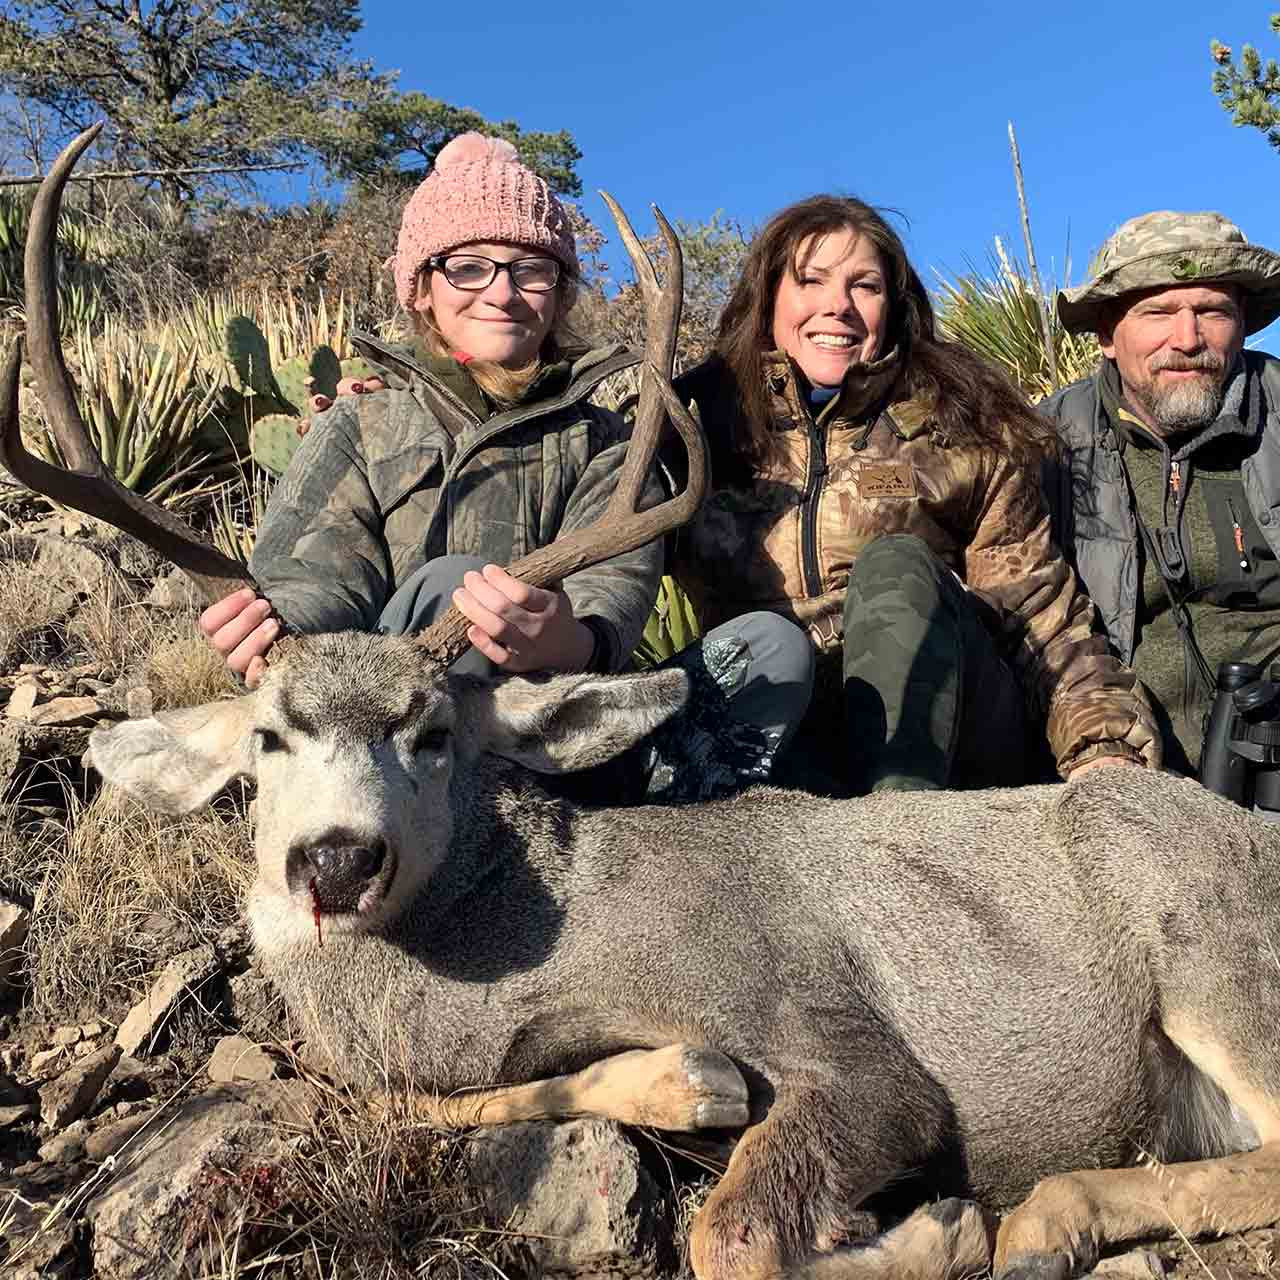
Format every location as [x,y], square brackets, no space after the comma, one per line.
[240,628]
[519,627]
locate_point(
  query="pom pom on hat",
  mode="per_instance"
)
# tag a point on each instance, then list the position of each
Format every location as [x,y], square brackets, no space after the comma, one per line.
[475,148]
[478,191]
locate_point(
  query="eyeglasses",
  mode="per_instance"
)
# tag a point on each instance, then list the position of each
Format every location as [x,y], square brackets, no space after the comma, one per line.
[472,272]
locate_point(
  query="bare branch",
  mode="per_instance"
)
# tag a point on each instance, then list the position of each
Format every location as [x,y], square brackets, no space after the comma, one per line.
[107,175]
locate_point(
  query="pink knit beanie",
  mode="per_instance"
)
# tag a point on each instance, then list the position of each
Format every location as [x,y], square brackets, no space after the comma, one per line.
[478,191]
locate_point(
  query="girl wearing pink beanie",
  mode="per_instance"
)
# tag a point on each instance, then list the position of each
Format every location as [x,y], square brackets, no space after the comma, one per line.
[480,446]
[480,211]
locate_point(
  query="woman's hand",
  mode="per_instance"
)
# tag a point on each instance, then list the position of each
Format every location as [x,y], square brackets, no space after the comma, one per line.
[240,627]
[519,627]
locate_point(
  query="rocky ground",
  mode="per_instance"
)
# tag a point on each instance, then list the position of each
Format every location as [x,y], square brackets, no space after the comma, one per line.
[157,1116]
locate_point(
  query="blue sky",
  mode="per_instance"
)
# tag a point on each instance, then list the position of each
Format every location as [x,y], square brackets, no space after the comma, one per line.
[746,107]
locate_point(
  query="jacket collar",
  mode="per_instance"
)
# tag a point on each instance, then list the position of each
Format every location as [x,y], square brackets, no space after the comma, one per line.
[863,393]
[1243,411]
[410,366]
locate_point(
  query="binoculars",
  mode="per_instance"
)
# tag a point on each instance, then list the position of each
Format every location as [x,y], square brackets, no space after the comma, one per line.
[1240,757]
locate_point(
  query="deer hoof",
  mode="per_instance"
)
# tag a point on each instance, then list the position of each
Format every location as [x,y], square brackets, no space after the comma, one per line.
[716,1086]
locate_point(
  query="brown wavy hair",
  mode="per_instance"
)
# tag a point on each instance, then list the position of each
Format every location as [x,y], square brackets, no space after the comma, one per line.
[976,404]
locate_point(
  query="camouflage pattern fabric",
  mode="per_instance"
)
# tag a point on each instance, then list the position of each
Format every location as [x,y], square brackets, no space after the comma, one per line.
[981,514]
[382,483]
[1164,249]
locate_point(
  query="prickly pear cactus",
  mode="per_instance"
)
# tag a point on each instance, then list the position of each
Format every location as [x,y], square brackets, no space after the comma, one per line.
[356,369]
[327,371]
[274,440]
[294,385]
[249,355]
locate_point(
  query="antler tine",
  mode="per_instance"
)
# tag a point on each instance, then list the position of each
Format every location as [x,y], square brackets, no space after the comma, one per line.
[87,485]
[662,321]
[622,528]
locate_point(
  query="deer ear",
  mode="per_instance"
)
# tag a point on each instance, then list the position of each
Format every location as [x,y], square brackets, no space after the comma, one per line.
[564,723]
[177,761]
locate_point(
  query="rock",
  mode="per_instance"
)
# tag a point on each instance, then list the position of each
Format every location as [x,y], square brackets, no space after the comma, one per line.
[67,1035]
[255,1004]
[11,1092]
[108,1140]
[65,1147]
[138,702]
[235,1058]
[47,1236]
[578,1192]
[174,591]
[44,1058]
[65,712]
[18,1112]
[71,564]
[72,1094]
[1140,1264]
[91,1029]
[38,762]
[22,701]
[183,975]
[15,923]
[217,1153]
[83,1049]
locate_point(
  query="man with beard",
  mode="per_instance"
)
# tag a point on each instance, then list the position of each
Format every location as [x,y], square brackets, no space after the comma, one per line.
[1167,495]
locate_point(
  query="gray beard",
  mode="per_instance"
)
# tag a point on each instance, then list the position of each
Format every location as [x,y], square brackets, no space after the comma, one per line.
[1183,406]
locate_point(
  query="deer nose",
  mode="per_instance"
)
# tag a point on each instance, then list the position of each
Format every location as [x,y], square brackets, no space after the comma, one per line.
[336,869]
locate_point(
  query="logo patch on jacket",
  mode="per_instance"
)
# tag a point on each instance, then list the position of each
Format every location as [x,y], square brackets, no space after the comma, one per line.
[886,480]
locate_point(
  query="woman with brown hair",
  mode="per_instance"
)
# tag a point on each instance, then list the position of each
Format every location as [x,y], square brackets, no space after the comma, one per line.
[879,487]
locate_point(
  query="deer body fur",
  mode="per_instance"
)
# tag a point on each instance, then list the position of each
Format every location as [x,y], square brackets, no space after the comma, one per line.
[996,986]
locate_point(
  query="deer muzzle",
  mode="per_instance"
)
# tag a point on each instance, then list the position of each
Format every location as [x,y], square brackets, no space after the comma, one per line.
[340,871]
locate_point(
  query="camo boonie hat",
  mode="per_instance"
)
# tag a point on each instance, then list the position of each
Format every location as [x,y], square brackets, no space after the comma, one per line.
[1165,249]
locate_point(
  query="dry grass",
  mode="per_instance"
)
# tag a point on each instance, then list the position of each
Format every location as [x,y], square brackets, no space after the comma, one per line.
[354,1196]
[124,890]
[33,611]
[364,1195]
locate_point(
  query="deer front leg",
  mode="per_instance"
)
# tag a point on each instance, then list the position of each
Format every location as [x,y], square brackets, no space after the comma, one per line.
[828,1141]
[679,1087]
[947,1240]
[1060,1228]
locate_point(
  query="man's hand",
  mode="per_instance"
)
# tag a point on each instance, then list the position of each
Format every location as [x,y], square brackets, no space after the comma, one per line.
[240,627]
[519,627]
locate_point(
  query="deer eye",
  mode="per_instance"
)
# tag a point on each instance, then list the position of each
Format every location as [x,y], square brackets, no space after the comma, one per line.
[433,740]
[269,740]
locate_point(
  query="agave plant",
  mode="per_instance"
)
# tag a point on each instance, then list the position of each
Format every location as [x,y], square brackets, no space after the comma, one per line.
[1001,314]
[80,279]
[147,410]
[238,508]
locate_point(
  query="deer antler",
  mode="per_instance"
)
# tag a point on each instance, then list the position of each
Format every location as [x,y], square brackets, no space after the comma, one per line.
[86,484]
[622,528]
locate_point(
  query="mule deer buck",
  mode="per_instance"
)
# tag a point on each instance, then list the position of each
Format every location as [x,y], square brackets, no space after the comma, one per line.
[1017,994]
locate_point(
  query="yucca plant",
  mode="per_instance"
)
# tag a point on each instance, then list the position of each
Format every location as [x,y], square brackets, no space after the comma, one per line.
[998,314]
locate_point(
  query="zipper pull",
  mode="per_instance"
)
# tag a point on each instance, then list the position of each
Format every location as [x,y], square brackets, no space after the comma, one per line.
[1237,534]
[1175,478]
